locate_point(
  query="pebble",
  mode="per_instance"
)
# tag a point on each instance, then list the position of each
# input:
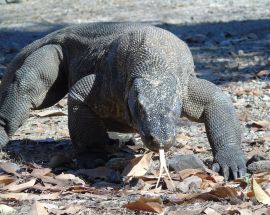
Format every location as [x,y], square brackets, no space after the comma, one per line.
[181,162]
[192,183]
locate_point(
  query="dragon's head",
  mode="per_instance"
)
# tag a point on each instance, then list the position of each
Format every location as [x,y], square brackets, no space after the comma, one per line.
[155,107]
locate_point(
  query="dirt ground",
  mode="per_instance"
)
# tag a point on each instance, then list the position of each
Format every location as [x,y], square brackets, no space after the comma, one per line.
[230,43]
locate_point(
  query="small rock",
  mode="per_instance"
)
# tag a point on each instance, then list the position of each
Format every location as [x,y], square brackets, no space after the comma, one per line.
[181,162]
[7,210]
[192,183]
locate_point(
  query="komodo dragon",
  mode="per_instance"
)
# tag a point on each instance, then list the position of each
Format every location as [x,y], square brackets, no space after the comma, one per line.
[123,77]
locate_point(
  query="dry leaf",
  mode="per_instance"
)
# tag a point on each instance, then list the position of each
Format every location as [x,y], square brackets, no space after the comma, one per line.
[70,179]
[41,172]
[6,210]
[224,192]
[188,172]
[38,209]
[262,175]
[28,196]
[138,166]
[261,124]
[48,113]
[10,168]
[208,183]
[5,179]
[259,193]
[146,204]
[13,187]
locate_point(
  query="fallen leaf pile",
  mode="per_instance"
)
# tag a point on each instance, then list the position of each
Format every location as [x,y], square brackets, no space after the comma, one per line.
[34,183]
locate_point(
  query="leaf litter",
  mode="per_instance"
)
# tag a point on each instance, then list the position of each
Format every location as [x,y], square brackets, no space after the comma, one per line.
[36,183]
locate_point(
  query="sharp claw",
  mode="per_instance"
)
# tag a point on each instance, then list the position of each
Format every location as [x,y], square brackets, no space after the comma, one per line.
[242,172]
[234,175]
[216,167]
[225,172]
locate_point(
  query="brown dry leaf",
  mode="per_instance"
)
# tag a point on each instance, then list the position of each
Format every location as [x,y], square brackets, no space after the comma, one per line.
[7,210]
[52,180]
[70,209]
[217,178]
[61,180]
[28,196]
[262,175]
[138,166]
[189,172]
[10,168]
[13,187]
[5,180]
[224,192]
[41,172]
[48,113]
[208,183]
[99,172]
[169,185]
[210,211]
[146,204]
[69,179]
[259,193]
[38,209]
[214,177]
[261,124]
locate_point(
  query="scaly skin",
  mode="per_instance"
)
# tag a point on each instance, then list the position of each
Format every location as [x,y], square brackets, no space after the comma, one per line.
[120,77]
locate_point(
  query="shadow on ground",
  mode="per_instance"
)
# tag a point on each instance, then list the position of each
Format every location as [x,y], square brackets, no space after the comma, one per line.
[223,52]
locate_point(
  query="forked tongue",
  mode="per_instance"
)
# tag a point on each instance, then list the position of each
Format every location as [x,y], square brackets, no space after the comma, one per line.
[163,167]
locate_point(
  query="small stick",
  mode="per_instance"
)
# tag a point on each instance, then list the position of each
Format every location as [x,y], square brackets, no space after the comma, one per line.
[163,167]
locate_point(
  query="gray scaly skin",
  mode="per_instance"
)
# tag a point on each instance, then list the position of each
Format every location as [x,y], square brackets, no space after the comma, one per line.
[119,77]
